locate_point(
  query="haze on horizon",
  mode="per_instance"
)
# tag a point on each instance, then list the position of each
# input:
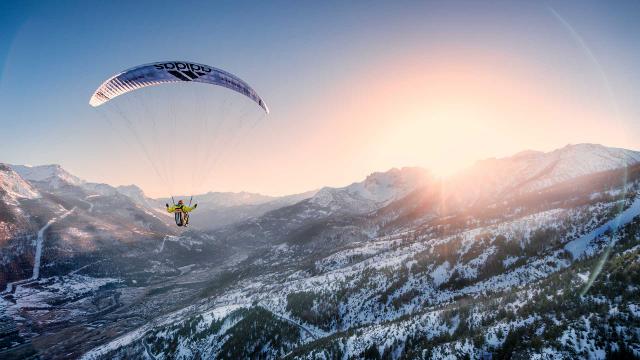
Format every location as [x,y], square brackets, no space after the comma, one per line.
[353,87]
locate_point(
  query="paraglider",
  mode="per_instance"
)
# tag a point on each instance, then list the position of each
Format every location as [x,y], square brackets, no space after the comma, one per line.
[200,113]
[181,212]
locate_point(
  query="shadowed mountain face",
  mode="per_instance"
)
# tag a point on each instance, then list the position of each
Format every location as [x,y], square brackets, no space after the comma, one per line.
[532,254]
[84,225]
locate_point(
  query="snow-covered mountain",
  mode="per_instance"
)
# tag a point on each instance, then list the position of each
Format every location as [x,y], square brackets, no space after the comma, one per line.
[536,258]
[377,190]
[13,190]
[548,273]
[54,176]
[132,191]
[78,222]
[534,170]
[138,196]
[14,187]
[340,207]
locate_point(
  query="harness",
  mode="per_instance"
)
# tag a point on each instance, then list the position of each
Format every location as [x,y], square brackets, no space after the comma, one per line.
[182,218]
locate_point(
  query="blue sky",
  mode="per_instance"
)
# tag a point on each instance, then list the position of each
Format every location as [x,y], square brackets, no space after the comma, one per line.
[307,60]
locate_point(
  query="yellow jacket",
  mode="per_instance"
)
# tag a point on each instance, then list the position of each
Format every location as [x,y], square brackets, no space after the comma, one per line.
[184,208]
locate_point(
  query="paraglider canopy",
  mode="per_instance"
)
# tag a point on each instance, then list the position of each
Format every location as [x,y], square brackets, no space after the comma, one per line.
[169,72]
[183,130]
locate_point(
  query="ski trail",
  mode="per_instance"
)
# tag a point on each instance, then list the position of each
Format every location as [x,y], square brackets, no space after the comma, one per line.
[88,202]
[84,267]
[90,205]
[164,239]
[40,241]
[161,245]
[38,256]
[314,333]
[579,246]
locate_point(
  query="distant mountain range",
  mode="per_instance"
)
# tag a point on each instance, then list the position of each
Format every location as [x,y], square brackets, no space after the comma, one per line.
[530,256]
[534,170]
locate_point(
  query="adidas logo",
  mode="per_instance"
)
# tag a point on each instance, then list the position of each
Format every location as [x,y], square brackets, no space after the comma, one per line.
[184,71]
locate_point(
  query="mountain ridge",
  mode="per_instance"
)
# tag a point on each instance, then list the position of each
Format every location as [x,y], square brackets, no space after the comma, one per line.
[534,260]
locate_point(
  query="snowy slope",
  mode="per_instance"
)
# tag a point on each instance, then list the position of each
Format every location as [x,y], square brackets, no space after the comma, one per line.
[400,293]
[13,189]
[579,247]
[14,186]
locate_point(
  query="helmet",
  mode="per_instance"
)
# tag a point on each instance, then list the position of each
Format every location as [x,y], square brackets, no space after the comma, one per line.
[180,202]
